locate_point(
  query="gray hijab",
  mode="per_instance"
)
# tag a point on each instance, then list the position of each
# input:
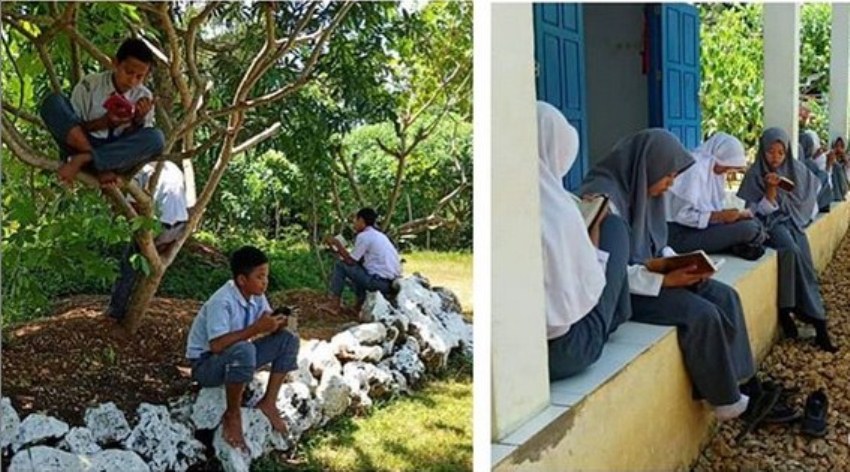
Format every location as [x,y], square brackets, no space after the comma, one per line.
[796,205]
[625,175]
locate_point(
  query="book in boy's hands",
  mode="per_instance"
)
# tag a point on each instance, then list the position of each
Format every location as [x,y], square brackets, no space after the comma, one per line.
[117,104]
[592,209]
[786,184]
[698,259]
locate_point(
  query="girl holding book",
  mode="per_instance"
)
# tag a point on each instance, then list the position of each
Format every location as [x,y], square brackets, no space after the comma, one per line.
[698,218]
[587,294]
[707,314]
[785,214]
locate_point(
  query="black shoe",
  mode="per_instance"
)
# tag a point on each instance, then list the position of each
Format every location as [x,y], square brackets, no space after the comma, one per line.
[781,412]
[789,328]
[814,420]
[822,337]
[749,252]
[762,402]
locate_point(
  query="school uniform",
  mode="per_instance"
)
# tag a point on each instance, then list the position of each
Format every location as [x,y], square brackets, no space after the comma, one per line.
[227,311]
[119,149]
[817,164]
[785,221]
[379,264]
[708,317]
[587,294]
[699,192]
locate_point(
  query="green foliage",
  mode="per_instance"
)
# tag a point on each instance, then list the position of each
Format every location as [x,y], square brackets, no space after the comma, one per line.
[732,57]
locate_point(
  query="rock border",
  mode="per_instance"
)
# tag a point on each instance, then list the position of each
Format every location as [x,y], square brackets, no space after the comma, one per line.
[388,352]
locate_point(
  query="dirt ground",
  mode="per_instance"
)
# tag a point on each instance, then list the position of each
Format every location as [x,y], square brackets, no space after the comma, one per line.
[62,364]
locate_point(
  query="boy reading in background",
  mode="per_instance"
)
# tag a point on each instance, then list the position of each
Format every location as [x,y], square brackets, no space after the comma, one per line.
[234,334]
[107,125]
[372,265]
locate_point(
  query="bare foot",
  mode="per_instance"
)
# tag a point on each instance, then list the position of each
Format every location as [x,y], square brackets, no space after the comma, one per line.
[109,179]
[273,414]
[232,429]
[67,172]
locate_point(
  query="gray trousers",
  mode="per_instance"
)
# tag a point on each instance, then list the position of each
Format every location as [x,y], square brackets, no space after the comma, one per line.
[582,345]
[359,280]
[712,335]
[120,154]
[237,363]
[839,183]
[716,237]
[798,282]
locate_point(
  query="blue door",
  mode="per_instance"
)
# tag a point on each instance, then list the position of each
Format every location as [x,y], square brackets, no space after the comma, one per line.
[674,71]
[559,58]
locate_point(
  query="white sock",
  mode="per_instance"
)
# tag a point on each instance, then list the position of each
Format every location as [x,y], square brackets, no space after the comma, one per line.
[732,411]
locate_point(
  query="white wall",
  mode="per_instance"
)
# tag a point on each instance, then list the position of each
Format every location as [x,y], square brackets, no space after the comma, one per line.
[520,379]
[617,95]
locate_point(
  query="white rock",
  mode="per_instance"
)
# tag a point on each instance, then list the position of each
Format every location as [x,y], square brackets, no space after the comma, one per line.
[46,459]
[436,342]
[393,336]
[333,395]
[414,296]
[354,374]
[208,408]
[323,358]
[406,361]
[459,329]
[38,427]
[107,423]
[299,409]
[369,334]
[80,441]
[167,445]
[304,374]
[347,347]
[181,409]
[9,423]
[377,308]
[256,430]
[256,389]
[112,460]
[450,302]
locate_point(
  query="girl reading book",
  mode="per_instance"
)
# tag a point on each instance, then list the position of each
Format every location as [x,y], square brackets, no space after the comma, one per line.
[785,214]
[587,295]
[707,314]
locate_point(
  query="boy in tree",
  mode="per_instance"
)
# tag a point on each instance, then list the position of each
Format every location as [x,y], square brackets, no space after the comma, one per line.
[372,265]
[92,134]
[235,333]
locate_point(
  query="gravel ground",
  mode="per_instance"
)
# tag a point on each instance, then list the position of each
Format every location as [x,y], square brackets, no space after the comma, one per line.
[799,364]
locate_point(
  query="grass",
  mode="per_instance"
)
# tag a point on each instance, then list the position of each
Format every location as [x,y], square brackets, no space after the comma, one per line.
[452,270]
[429,430]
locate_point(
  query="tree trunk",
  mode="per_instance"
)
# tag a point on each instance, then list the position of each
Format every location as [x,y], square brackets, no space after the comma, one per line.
[140,299]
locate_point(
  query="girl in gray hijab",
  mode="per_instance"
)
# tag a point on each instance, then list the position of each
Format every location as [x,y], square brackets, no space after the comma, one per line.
[785,214]
[840,186]
[707,314]
[810,152]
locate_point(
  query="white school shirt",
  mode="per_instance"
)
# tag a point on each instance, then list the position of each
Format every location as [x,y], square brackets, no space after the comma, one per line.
[380,257]
[685,213]
[88,97]
[642,281]
[226,311]
[170,192]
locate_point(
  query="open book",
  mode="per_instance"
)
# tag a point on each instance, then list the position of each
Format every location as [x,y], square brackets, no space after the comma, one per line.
[703,263]
[786,184]
[592,209]
[341,240]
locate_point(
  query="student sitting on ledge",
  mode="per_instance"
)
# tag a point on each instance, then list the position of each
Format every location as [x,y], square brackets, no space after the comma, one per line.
[584,270]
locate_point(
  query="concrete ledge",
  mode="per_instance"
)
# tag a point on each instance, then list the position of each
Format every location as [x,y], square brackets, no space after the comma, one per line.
[633,410]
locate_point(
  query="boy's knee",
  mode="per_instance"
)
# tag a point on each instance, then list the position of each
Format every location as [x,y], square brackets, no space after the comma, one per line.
[157,140]
[243,353]
[51,103]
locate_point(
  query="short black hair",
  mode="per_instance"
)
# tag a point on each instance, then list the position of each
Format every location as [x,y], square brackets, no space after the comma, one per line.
[246,259]
[135,48]
[369,216]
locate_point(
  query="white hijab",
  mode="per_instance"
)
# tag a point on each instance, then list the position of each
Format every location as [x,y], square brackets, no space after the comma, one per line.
[699,185]
[572,275]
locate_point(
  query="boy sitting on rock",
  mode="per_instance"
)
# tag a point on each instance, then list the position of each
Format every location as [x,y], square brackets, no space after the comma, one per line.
[235,333]
[108,122]
[371,266]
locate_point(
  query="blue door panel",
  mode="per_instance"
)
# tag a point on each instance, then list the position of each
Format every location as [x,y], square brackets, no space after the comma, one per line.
[674,81]
[559,54]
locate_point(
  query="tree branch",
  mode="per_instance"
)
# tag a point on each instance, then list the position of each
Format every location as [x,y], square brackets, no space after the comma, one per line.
[352,179]
[26,116]
[257,138]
